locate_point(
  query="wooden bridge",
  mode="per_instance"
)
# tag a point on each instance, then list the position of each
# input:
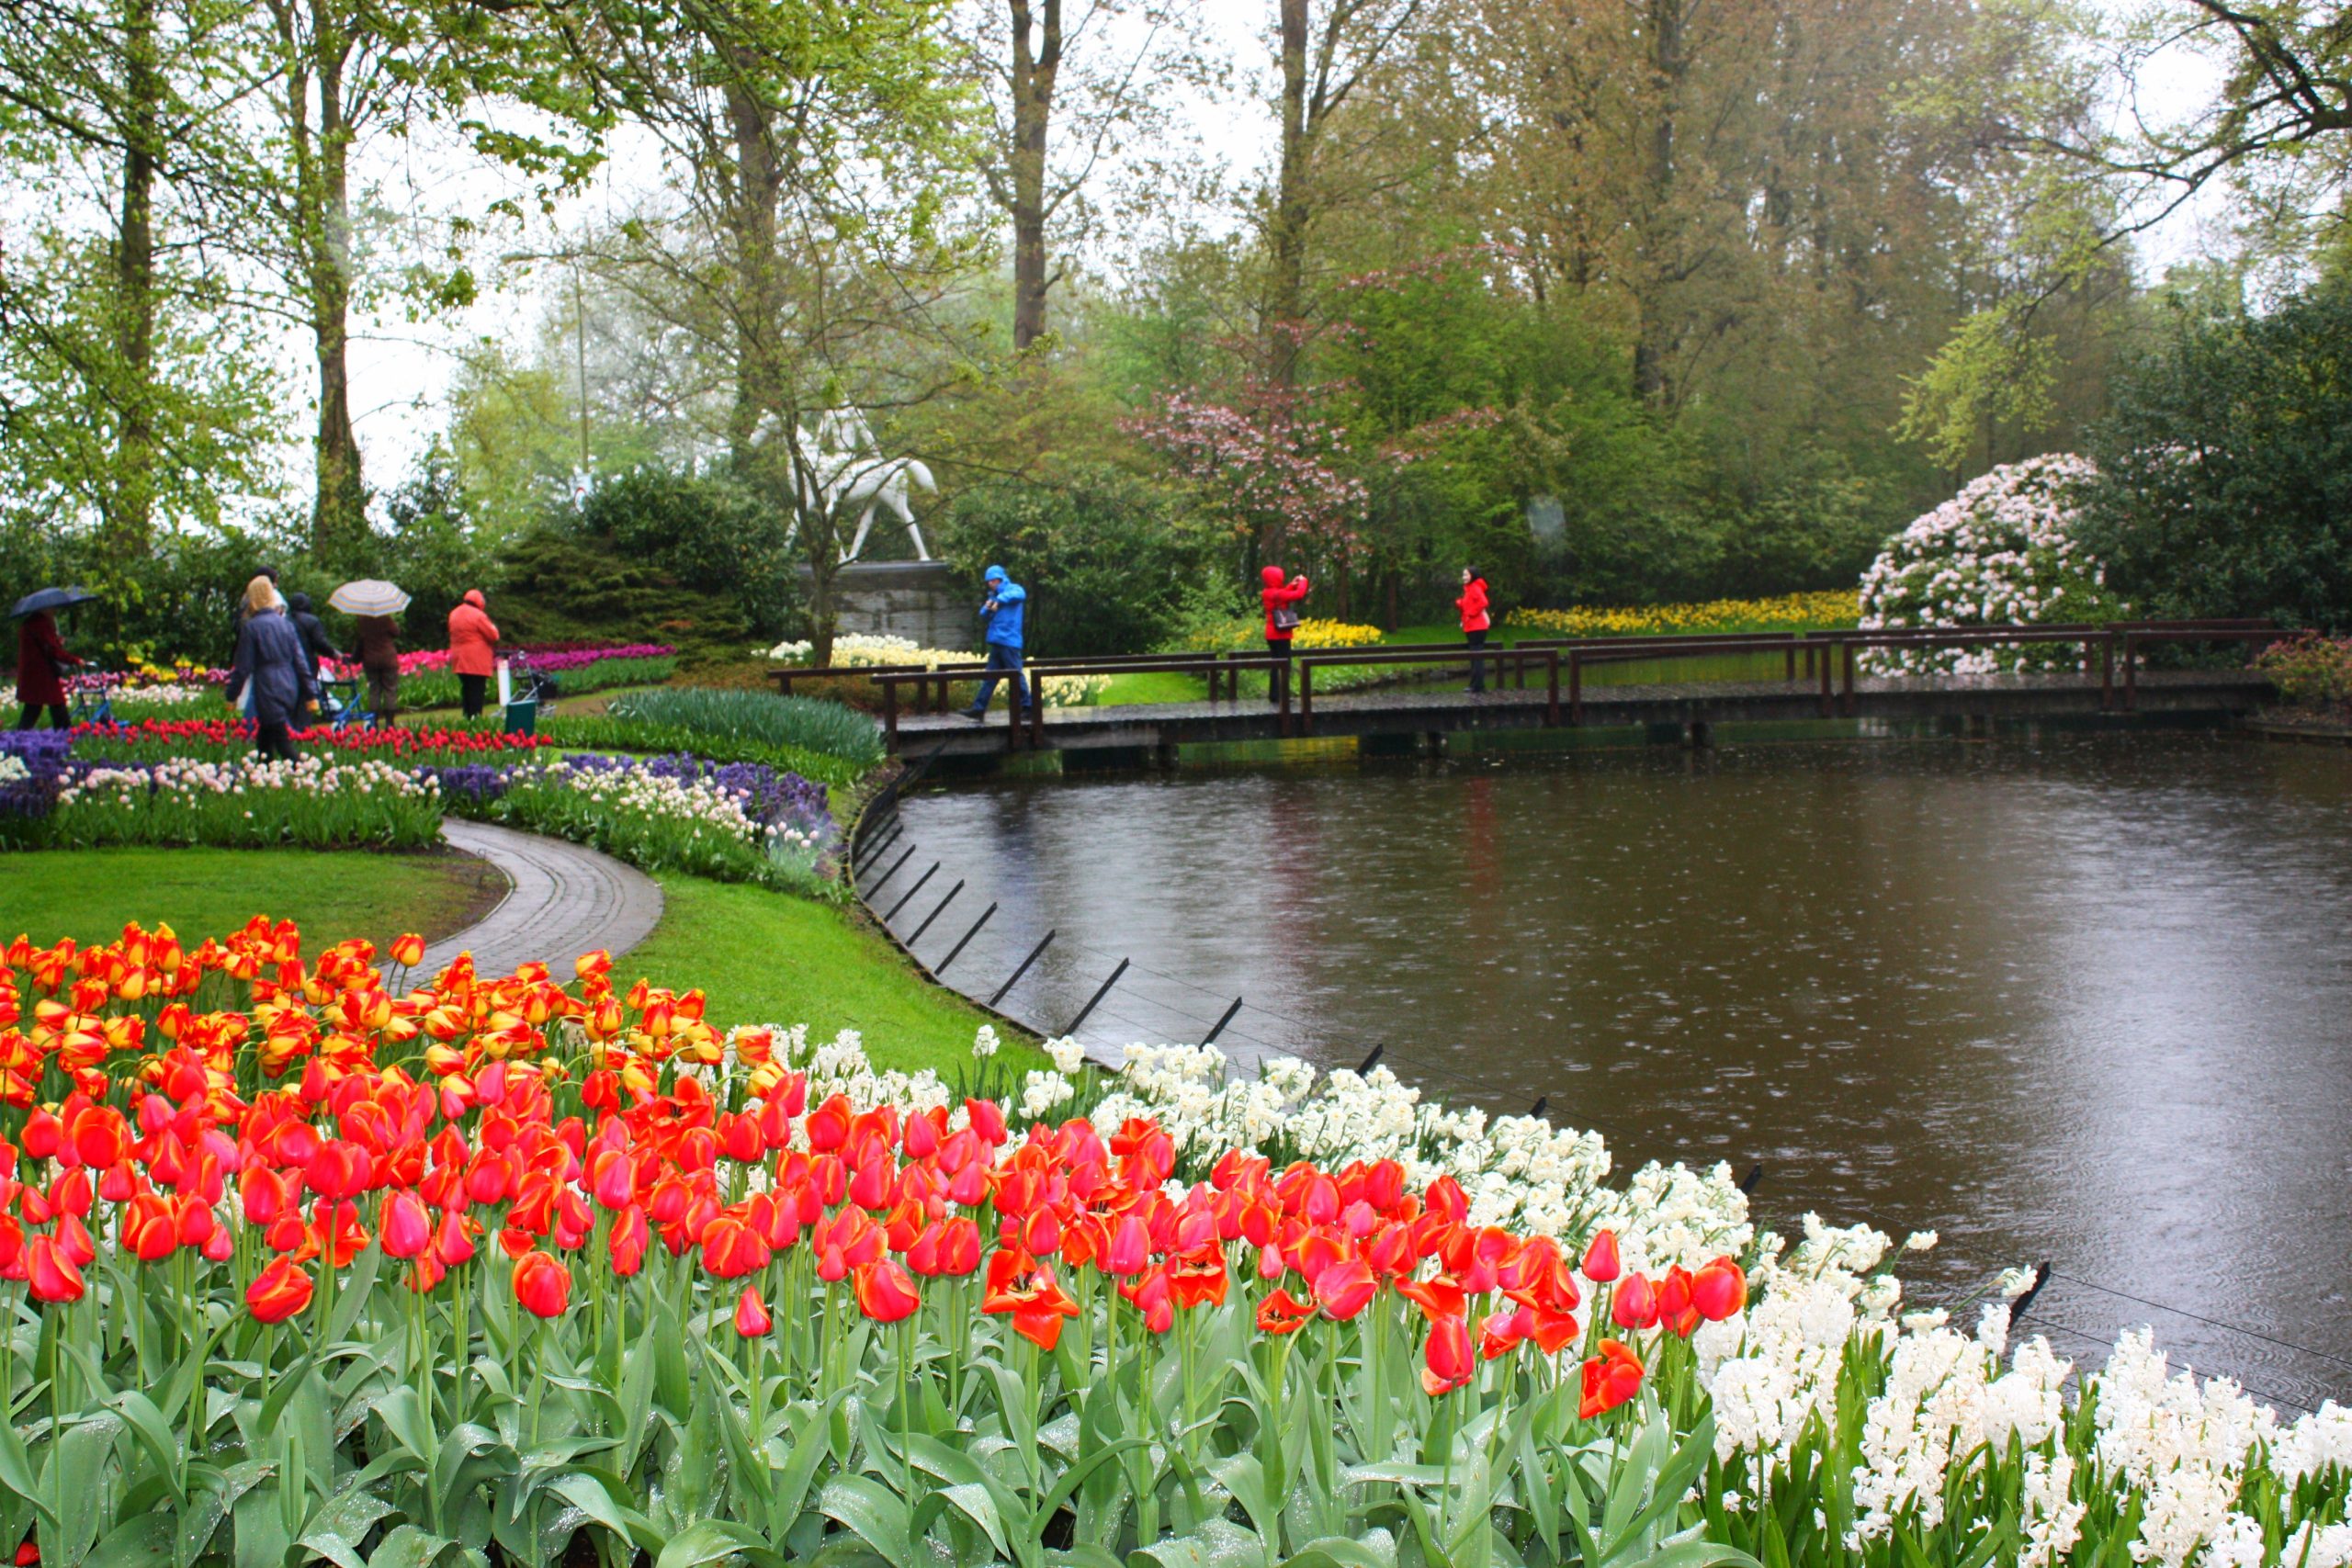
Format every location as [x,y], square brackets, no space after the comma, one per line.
[1568,682]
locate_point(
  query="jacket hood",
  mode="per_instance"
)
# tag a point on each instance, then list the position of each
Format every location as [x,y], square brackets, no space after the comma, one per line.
[473,597]
[299,603]
[993,574]
[1272,576]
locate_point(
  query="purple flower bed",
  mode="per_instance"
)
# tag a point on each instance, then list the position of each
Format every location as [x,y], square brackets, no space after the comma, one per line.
[767,795]
[555,661]
[46,757]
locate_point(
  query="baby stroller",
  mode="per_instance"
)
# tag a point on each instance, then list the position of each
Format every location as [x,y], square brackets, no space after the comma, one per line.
[342,703]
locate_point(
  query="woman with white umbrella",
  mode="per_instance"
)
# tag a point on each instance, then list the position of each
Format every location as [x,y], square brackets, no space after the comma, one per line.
[372,604]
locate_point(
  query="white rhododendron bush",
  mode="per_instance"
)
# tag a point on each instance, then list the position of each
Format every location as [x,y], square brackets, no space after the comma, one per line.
[2002,552]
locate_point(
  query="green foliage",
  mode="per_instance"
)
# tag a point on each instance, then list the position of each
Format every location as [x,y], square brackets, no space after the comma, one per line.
[1994,370]
[759,717]
[1114,562]
[2225,481]
[654,557]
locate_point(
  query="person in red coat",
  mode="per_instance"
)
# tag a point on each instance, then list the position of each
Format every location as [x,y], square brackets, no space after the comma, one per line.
[473,650]
[1476,622]
[41,658]
[1281,600]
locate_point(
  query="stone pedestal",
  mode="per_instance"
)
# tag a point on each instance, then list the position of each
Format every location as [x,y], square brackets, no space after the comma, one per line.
[933,603]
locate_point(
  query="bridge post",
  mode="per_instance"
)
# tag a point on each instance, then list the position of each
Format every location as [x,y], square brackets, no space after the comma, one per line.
[890,714]
[2106,672]
[1849,680]
[1551,685]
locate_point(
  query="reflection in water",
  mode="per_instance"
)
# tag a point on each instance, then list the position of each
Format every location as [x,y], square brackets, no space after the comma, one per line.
[2083,1001]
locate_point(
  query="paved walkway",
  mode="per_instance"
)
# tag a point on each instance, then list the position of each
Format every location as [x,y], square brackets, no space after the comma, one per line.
[562,901]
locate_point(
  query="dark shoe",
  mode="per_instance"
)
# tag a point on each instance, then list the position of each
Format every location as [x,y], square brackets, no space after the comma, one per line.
[979,717]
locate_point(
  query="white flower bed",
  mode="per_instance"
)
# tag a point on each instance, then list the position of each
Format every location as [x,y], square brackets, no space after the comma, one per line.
[2003,551]
[1961,1428]
[863,650]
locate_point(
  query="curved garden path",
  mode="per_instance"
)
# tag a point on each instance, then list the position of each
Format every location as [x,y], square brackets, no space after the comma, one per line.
[561,901]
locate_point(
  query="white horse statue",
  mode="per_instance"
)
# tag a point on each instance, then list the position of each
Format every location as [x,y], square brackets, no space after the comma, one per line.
[851,470]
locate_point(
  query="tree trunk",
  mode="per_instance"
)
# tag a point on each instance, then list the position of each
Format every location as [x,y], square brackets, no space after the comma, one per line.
[1668,67]
[339,511]
[1286,290]
[130,512]
[764,428]
[1034,72]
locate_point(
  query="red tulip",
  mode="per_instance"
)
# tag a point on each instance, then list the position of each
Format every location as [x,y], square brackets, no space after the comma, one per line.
[613,1179]
[1719,1289]
[1020,1286]
[279,1292]
[1445,1360]
[1345,1289]
[885,1293]
[1283,1312]
[1600,1260]
[1610,1380]
[408,950]
[628,1242]
[1130,1248]
[50,1272]
[1674,1306]
[151,1227]
[407,1229]
[453,1241]
[751,1319]
[542,1285]
[1634,1305]
[339,1170]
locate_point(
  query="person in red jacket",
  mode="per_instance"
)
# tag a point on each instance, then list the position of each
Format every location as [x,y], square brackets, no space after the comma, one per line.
[1476,622]
[473,650]
[1281,600]
[41,656]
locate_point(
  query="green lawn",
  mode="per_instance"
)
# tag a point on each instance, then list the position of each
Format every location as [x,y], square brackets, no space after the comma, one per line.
[763,957]
[90,894]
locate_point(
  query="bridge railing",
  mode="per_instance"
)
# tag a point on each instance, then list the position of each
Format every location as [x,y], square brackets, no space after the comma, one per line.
[976,668]
[1211,667]
[1839,650]
[1503,658]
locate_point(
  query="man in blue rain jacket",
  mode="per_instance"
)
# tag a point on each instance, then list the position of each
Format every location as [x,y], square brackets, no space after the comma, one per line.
[1001,616]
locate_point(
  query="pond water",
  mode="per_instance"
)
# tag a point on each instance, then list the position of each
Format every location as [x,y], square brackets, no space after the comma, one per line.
[2087,1000]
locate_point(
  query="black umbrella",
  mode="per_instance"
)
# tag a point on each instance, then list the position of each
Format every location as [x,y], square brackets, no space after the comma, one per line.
[51,599]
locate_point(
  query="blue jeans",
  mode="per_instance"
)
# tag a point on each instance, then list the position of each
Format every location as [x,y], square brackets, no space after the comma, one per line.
[1002,658]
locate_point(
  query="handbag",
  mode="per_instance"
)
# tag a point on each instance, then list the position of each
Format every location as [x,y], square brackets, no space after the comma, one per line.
[1286,617]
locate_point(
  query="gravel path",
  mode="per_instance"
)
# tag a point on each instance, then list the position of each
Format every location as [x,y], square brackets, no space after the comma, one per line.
[563,901]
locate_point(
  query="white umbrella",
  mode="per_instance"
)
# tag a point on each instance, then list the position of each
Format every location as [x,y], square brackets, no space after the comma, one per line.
[368,597]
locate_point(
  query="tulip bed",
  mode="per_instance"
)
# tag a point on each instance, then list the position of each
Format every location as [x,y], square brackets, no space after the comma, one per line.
[52,799]
[308,1255]
[223,739]
[427,682]
[734,823]
[738,822]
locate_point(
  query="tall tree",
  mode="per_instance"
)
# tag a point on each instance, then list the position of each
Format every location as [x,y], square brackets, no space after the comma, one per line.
[803,243]
[1073,86]
[140,97]
[1323,55]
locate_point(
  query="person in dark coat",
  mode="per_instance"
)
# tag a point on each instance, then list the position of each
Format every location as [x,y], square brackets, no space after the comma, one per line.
[313,632]
[237,622]
[40,661]
[274,669]
[380,660]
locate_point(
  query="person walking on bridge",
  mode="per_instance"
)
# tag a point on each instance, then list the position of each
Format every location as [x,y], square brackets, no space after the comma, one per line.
[1001,616]
[1281,600]
[1476,622]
